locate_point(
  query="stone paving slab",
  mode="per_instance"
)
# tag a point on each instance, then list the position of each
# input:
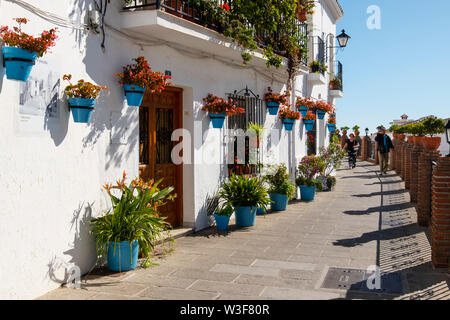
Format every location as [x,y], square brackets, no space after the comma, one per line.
[366,220]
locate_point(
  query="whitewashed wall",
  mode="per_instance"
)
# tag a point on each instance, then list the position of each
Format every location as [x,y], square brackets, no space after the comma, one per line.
[51,182]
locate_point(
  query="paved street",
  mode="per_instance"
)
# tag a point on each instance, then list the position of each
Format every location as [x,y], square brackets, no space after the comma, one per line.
[315,250]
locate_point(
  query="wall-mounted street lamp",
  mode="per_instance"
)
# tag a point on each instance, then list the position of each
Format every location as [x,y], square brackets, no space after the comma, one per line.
[367,132]
[343,39]
[447,133]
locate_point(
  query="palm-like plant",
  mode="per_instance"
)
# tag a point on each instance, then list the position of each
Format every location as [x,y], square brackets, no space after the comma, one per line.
[241,191]
[133,216]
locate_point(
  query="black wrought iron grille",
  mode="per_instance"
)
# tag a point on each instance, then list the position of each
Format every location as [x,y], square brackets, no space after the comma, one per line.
[321,53]
[340,75]
[256,113]
[164,129]
[311,140]
[143,136]
[195,11]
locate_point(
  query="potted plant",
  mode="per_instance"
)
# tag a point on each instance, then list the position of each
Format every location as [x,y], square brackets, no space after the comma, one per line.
[432,126]
[344,130]
[22,50]
[356,130]
[335,83]
[280,188]
[304,105]
[82,98]
[222,217]
[323,108]
[331,124]
[309,120]
[258,130]
[331,158]
[133,225]
[317,67]
[245,194]
[288,117]
[274,100]
[308,169]
[219,108]
[137,77]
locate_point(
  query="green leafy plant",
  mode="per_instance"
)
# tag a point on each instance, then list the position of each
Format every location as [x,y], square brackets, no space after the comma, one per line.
[258,129]
[82,89]
[134,216]
[277,177]
[241,191]
[309,168]
[433,125]
[345,128]
[355,128]
[317,67]
[331,156]
[335,83]
[225,211]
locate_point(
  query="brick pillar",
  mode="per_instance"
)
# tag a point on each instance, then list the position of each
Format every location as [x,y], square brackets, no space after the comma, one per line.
[365,148]
[424,186]
[440,217]
[393,154]
[399,157]
[404,156]
[414,171]
[407,165]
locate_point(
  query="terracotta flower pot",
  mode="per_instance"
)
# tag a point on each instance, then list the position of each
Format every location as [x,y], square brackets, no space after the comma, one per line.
[302,16]
[357,133]
[395,135]
[431,143]
[418,141]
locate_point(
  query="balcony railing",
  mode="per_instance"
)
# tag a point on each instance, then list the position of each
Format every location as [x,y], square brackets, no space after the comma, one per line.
[196,11]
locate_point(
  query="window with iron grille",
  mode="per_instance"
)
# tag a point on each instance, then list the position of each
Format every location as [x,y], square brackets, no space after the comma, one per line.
[247,161]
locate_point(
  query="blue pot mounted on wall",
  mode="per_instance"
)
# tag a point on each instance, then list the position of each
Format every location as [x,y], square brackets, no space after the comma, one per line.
[81,109]
[245,216]
[307,193]
[222,222]
[18,63]
[309,125]
[280,201]
[331,127]
[217,119]
[134,94]
[321,114]
[123,257]
[273,108]
[303,111]
[288,124]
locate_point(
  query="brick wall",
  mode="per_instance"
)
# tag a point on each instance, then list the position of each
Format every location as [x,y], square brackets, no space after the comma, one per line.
[393,154]
[399,155]
[414,171]
[424,186]
[440,219]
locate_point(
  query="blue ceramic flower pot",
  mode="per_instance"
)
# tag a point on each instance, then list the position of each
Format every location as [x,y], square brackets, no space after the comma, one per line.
[309,125]
[245,216]
[280,201]
[123,257]
[288,124]
[307,193]
[18,63]
[222,222]
[81,109]
[260,211]
[273,108]
[303,111]
[134,94]
[217,119]
[331,127]
[321,114]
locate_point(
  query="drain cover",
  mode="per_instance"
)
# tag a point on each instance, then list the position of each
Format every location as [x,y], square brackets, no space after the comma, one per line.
[356,280]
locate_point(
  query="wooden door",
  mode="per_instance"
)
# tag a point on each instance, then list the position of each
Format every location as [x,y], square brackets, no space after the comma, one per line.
[159,116]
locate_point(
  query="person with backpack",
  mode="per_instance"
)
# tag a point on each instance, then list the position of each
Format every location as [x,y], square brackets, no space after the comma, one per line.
[352,147]
[383,144]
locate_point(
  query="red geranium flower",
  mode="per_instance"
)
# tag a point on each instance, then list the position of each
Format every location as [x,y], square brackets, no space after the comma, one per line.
[225,7]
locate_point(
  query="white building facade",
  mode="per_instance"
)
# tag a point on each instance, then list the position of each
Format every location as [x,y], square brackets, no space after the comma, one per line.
[53,169]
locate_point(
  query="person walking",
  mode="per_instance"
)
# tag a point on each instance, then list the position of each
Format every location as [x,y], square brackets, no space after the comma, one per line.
[352,146]
[383,144]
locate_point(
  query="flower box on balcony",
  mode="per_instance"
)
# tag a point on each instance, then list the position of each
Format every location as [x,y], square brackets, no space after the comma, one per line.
[336,93]
[316,78]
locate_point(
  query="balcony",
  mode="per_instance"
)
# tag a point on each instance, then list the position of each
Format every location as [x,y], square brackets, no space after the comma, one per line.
[189,23]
